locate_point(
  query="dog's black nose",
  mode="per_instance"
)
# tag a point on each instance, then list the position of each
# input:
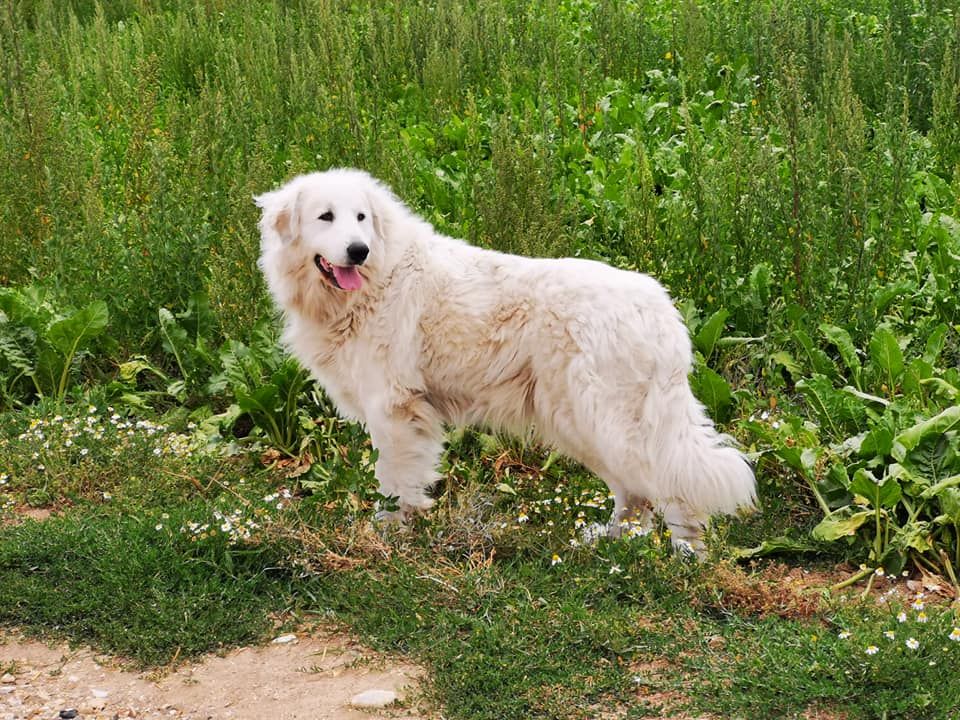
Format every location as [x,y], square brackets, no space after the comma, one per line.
[357,252]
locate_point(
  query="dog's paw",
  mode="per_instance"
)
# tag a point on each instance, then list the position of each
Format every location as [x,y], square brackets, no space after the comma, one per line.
[592,533]
[388,518]
[689,549]
[627,529]
[401,516]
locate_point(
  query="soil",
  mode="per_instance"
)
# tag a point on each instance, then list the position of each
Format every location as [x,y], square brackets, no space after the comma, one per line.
[313,676]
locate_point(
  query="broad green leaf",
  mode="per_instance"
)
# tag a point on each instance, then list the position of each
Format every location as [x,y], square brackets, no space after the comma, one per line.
[174,338]
[17,344]
[68,335]
[49,369]
[915,376]
[886,295]
[134,400]
[913,436]
[551,459]
[791,456]
[489,444]
[838,525]
[834,409]
[950,504]
[198,319]
[290,373]
[653,109]
[932,460]
[841,339]
[760,284]
[941,386]
[241,370]
[24,307]
[177,389]
[774,546]
[803,460]
[914,535]
[688,310]
[877,443]
[706,338]
[818,359]
[735,340]
[809,458]
[130,369]
[935,343]
[885,353]
[834,488]
[885,495]
[263,399]
[945,485]
[786,359]
[865,396]
[712,390]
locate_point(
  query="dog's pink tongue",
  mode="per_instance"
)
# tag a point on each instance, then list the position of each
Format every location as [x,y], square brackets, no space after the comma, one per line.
[347,277]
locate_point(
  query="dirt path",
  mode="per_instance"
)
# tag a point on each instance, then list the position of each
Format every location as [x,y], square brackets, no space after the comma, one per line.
[314,677]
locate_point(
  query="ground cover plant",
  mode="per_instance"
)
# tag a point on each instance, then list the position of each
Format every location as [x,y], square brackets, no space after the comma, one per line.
[788,169]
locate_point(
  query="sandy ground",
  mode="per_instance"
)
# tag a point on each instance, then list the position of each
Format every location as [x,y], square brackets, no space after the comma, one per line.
[314,676]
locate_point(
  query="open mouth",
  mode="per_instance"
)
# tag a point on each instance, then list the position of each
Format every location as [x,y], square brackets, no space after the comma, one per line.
[343,278]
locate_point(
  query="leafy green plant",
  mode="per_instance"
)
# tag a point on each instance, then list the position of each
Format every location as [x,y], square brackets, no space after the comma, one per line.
[875,433]
[270,387]
[186,338]
[257,381]
[884,468]
[341,474]
[41,345]
[709,340]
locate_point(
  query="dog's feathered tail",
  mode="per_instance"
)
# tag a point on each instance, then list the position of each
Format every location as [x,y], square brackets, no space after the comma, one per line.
[701,466]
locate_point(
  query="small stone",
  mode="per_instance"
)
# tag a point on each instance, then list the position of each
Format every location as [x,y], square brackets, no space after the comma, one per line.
[7,689]
[374,698]
[7,678]
[284,639]
[68,714]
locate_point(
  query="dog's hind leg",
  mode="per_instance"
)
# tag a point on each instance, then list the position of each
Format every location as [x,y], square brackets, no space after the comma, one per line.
[686,526]
[408,437]
[632,510]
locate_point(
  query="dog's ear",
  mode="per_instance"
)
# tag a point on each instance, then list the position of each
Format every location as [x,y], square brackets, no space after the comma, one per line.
[383,206]
[281,214]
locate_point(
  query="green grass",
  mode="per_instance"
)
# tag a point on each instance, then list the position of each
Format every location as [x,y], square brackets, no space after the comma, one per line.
[110,579]
[514,637]
[511,619]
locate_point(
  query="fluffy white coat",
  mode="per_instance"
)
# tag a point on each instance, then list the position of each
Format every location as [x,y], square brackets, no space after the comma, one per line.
[425,330]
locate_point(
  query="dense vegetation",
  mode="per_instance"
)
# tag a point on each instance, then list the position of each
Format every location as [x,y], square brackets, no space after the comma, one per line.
[790,170]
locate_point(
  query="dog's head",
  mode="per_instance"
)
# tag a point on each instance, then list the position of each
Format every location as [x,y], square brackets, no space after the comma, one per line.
[334,220]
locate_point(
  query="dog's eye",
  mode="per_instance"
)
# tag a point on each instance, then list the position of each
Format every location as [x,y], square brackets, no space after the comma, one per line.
[326,217]
[360,217]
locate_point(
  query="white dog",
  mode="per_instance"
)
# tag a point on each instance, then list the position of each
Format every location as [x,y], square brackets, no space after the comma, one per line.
[408,330]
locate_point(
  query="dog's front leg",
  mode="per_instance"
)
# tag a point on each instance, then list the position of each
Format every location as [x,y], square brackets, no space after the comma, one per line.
[408,436]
